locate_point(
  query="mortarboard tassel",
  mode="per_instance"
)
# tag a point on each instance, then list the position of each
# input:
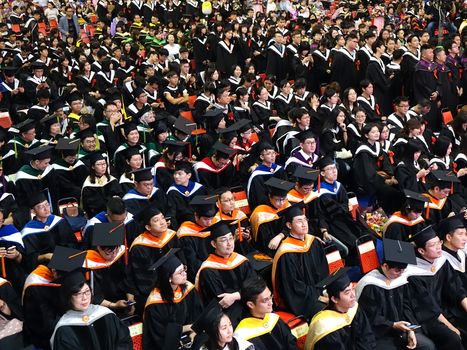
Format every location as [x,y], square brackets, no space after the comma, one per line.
[3,267]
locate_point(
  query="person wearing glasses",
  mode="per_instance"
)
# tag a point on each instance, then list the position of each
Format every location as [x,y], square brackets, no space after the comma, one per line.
[85,325]
[171,307]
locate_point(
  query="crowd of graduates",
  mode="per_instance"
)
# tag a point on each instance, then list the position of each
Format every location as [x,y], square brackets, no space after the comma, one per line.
[195,165]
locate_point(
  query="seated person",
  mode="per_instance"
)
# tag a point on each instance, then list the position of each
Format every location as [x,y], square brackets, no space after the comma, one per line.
[342,325]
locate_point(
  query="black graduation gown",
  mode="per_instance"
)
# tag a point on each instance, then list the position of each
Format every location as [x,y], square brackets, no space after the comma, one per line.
[277,62]
[256,189]
[439,211]
[407,179]
[106,333]
[139,279]
[433,293]
[320,72]
[266,232]
[178,199]
[399,231]
[343,70]
[213,282]
[357,336]
[226,57]
[135,202]
[296,277]
[376,73]
[363,57]
[94,196]
[163,321]
[13,154]
[201,53]
[69,178]
[424,84]
[283,104]
[280,338]
[407,65]
[212,178]
[10,298]
[196,246]
[447,87]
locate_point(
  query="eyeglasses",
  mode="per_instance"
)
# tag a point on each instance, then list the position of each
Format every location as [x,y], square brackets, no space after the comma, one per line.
[180,272]
[42,206]
[86,294]
[435,244]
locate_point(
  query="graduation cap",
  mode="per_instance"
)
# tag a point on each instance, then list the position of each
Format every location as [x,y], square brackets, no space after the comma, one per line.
[143,174]
[213,117]
[336,282]
[442,178]
[37,65]
[324,162]
[126,128]
[182,165]
[40,153]
[56,105]
[279,187]
[184,126]
[37,198]
[113,95]
[85,133]
[66,259]
[146,214]
[108,234]
[219,229]
[138,92]
[167,263]
[50,120]
[95,157]
[72,280]
[205,205]
[206,319]
[423,236]
[415,201]
[399,252]
[131,151]
[25,125]
[263,146]
[222,151]
[292,211]
[74,96]
[67,146]
[450,224]
[175,146]
[303,135]
[9,71]
[241,126]
[305,176]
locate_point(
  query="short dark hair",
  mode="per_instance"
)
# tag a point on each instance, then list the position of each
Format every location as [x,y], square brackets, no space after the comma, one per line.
[116,206]
[252,287]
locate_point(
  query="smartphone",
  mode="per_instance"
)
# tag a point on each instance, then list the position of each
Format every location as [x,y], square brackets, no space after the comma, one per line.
[414,326]
[130,303]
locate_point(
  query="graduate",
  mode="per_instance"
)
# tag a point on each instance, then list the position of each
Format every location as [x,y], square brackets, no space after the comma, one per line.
[266,225]
[403,224]
[86,325]
[298,266]
[342,325]
[164,168]
[217,170]
[256,189]
[343,67]
[35,176]
[382,294]
[222,274]
[192,235]
[180,193]
[106,262]
[131,136]
[442,201]
[41,295]
[99,186]
[144,252]
[11,312]
[436,292]
[68,173]
[43,232]
[172,306]
[334,217]
[144,193]
[263,328]
[453,233]
[304,155]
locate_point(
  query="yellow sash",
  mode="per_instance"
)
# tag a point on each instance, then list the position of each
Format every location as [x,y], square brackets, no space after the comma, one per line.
[252,327]
[325,322]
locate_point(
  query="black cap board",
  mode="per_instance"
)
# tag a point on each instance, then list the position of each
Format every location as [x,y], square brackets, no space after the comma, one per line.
[49,120]
[303,135]
[415,201]
[336,282]
[219,229]
[175,146]
[450,224]
[67,259]
[325,161]
[72,280]
[210,313]
[292,211]
[95,157]
[169,262]
[205,205]
[222,150]
[126,128]
[305,175]
[40,153]
[420,238]
[442,178]
[25,125]
[108,234]
[85,133]
[399,252]
[185,126]
[278,187]
[65,144]
[36,198]
[143,174]
[146,214]
[131,151]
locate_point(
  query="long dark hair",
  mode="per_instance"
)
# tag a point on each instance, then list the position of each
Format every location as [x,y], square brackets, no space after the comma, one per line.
[165,288]
[66,294]
[213,333]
